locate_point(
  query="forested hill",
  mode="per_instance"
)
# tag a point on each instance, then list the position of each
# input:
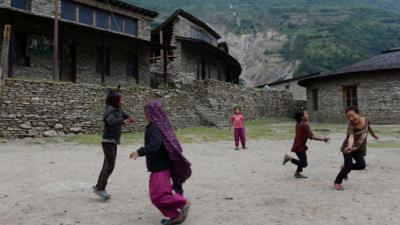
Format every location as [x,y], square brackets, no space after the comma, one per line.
[319,34]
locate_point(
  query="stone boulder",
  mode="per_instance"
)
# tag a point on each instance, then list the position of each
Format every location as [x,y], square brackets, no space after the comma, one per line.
[50,133]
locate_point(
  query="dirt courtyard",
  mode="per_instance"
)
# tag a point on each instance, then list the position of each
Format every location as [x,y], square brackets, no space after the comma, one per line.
[50,184]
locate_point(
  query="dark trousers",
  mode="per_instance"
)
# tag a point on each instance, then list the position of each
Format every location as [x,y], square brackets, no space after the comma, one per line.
[358,156]
[110,154]
[301,162]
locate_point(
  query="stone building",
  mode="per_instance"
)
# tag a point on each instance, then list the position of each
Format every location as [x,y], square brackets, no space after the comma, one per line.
[99,41]
[194,52]
[291,85]
[372,85]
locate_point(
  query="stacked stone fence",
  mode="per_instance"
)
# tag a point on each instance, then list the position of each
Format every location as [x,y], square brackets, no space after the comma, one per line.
[38,109]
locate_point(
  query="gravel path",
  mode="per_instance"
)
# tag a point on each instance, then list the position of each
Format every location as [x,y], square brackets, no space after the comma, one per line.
[50,184]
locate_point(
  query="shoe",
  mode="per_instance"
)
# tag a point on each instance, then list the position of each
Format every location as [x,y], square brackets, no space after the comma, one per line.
[286,159]
[236,149]
[185,210]
[300,176]
[101,193]
[338,187]
[244,148]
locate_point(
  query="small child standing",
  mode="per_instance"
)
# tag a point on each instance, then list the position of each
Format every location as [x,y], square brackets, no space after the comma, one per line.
[303,133]
[113,120]
[165,161]
[237,122]
[354,146]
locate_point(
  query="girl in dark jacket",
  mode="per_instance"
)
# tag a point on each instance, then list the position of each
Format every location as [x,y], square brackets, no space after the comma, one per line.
[165,161]
[113,120]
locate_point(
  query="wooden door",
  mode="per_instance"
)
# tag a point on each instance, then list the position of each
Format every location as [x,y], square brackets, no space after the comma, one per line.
[68,64]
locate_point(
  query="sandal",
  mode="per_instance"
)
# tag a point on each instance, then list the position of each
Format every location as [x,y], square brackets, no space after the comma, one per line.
[338,187]
[177,220]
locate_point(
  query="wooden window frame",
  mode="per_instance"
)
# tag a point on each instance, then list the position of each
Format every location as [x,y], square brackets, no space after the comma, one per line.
[350,95]
[315,99]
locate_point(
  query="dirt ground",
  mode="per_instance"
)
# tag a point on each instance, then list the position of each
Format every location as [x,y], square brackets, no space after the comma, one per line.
[50,184]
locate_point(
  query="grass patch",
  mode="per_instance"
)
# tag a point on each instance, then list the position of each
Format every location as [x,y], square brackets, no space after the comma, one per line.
[385,144]
[269,129]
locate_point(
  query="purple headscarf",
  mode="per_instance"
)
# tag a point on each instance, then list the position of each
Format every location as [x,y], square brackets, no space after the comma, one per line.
[180,166]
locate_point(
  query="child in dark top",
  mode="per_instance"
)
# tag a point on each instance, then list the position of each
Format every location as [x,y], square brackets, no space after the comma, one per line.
[354,146]
[113,120]
[303,133]
[165,161]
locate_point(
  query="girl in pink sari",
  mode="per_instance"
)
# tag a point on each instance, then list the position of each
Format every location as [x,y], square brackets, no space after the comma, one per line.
[165,162]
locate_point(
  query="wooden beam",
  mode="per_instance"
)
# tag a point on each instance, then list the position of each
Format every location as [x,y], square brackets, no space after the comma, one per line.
[5,52]
[4,60]
[56,69]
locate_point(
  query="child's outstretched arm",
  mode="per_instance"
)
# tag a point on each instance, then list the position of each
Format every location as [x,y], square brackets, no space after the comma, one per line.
[311,135]
[324,139]
[154,145]
[372,133]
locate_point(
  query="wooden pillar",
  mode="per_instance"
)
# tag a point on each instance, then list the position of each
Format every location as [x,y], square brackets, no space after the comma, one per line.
[4,59]
[103,60]
[61,56]
[162,51]
[56,72]
[5,52]
[165,56]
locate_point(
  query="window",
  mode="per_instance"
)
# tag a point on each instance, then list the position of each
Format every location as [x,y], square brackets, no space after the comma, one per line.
[130,26]
[101,19]
[85,15]
[103,60]
[116,23]
[197,34]
[68,10]
[132,66]
[21,4]
[314,96]
[350,96]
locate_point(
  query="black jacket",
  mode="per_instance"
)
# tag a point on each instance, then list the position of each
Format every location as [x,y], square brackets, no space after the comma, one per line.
[113,120]
[156,155]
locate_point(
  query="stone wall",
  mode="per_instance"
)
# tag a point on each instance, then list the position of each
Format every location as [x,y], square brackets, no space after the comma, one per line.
[378,97]
[37,109]
[299,92]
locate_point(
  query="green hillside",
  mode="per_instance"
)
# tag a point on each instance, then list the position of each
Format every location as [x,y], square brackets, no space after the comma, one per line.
[323,34]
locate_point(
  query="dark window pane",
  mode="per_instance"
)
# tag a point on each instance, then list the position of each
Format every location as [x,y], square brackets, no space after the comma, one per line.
[116,23]
[20,4]
[85,15]
[131,26]
[68,10]
[132,66]
[101,19]
[315,99]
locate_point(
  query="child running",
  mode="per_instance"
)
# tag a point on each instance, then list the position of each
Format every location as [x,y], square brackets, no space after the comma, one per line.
[165,161]
[237,122]
[113,120]
[303,133]
[355,145]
